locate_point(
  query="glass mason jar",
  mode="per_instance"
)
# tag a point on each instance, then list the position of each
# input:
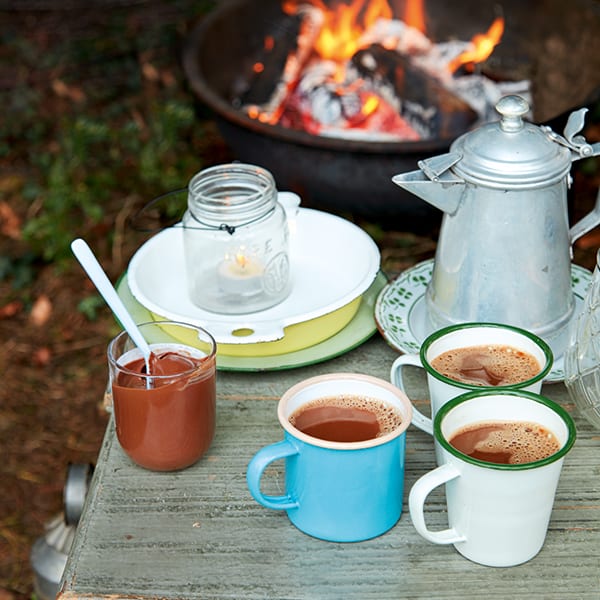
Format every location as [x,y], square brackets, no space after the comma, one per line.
[236,240]
[582,356]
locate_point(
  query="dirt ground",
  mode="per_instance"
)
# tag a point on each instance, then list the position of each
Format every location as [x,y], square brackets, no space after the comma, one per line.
[52,355]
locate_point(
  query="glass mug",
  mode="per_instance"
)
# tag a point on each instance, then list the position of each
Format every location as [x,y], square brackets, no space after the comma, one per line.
[582,356]
[165,419]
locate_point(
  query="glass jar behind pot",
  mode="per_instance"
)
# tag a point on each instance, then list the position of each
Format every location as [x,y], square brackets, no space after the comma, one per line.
[236,240]
[582,356]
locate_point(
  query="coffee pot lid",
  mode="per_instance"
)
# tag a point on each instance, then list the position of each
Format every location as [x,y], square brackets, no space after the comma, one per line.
[511,153]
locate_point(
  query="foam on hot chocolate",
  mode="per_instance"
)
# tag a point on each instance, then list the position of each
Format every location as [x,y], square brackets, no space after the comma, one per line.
[346,417]
[507,442]
[487,365]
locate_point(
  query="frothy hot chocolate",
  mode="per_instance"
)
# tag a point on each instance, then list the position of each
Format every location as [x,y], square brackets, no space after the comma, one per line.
[346,418]
[487,365]
[506,442]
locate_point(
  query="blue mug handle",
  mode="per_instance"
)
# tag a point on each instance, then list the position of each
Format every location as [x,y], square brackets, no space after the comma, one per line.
[261,460]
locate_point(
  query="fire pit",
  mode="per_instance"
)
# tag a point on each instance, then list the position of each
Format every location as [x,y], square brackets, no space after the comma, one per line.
[559,54]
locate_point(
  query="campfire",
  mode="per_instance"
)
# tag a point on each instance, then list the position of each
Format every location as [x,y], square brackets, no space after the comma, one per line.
[235,57]
[354,70]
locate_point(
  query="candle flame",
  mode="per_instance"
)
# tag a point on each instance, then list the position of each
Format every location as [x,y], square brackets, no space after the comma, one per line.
[241,260]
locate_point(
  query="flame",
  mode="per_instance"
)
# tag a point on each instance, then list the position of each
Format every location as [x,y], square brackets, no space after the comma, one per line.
[340,30]
[483,45]
[343,26]
[241,260]
[414,15]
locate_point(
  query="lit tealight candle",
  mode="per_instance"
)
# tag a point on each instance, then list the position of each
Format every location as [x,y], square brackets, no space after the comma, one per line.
[240,275]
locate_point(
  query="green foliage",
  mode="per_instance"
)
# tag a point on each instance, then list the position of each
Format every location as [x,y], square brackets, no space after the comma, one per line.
[19,270]
[90,305]
[121,134]
[161,161]
[86,169]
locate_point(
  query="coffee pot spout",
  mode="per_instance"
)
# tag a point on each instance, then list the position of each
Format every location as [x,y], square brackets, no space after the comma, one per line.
[435,183]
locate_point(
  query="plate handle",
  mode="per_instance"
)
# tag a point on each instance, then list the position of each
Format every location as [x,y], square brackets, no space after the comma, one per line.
[246,333]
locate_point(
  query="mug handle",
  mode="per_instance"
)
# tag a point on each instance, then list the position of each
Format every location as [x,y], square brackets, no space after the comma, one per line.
[261,460]
[416,500]
[418,419]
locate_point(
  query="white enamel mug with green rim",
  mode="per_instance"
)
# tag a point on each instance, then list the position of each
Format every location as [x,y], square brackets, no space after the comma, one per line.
[464,335]
[498,514]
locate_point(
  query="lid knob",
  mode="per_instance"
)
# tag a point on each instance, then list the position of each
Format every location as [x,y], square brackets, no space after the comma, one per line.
[512,109]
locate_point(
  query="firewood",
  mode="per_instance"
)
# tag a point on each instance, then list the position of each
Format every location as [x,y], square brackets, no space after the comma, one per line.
[431,109]
[281,65]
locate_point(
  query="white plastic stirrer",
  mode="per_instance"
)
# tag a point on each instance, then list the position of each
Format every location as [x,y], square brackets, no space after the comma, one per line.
[96,273]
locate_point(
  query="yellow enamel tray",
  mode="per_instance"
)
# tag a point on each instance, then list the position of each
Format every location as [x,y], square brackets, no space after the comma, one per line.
[360,329]
[296,337]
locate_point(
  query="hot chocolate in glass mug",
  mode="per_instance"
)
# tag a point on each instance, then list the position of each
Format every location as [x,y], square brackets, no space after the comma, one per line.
[343,446]
[165,418]
[501,457]
[468,356]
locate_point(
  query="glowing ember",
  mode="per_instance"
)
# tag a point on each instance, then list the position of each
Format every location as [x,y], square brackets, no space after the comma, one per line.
[370,105]
[269,42]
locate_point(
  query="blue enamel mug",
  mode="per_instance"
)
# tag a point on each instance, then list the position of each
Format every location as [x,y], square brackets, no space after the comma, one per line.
[339,491]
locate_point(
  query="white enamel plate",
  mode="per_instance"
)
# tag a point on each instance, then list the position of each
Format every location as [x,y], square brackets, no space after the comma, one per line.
[333,262]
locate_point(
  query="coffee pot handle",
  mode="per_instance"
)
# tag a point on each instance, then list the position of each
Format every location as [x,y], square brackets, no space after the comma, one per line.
[580,148]
[587,223]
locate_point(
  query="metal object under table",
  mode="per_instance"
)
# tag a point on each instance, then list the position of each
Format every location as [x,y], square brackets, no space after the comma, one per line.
[198,533]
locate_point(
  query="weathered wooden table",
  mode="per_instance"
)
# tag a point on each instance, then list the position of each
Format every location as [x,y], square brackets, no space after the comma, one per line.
[199,534]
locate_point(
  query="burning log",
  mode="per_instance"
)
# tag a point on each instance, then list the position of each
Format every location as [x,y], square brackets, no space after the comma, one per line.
[396,35]
[278,71]
[322,106]
[430,109]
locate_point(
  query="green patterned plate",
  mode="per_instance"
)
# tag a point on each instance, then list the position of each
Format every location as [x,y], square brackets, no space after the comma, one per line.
[400,311]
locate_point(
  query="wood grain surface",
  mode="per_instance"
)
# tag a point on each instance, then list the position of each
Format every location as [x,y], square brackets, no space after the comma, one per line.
[198,534]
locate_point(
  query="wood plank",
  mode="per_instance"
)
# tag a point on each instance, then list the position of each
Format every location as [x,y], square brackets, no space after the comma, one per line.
[199,534]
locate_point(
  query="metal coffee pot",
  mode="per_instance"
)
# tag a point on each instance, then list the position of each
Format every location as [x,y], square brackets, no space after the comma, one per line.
[504,250]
